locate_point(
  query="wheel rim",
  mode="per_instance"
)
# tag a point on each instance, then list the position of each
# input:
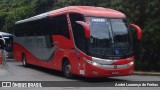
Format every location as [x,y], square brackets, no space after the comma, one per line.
[24,61]
[68,70]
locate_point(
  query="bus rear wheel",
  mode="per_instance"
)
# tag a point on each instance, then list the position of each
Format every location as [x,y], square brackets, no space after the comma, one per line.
[67,70]
[24,63]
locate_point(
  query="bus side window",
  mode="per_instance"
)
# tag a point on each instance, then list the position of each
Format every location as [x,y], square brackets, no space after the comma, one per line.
[49,41]
[59,26]
[19,30]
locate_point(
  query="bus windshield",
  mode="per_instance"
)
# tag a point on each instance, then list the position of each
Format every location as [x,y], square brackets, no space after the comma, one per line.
[109,37]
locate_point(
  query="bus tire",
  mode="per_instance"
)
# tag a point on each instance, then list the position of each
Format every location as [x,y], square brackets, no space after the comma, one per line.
[67,70]
[24,63]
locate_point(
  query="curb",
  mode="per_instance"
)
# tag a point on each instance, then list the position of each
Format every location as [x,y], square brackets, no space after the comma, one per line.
[146,73]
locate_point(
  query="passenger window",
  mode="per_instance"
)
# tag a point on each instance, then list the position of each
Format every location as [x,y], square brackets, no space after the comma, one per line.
[57,25]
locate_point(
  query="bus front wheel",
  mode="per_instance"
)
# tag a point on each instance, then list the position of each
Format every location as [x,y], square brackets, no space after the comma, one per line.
[24,63]
[67,70]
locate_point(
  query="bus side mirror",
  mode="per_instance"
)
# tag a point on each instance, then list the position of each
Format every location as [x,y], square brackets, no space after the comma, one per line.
[139,31]
[86,28]
[137,43]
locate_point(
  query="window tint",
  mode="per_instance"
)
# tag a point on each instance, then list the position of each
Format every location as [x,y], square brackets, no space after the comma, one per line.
[78,32]
[60,25]
[47,26]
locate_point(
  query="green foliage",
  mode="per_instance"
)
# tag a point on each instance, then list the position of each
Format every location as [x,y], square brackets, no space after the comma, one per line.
[14,10]
[41,6]
[11,11]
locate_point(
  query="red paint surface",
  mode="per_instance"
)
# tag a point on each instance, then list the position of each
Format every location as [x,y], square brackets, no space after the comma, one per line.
[89,11]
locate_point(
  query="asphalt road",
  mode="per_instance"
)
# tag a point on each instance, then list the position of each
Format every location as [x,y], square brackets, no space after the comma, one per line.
[16,72]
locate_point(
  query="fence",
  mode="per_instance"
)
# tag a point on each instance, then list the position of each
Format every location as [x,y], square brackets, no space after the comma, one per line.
[149,60]
[3,64]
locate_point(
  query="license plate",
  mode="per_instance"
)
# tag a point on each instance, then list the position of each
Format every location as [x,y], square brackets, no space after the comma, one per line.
[115,73]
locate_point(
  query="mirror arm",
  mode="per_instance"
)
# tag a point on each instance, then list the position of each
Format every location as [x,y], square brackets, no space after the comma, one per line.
[86,27]
[139,31]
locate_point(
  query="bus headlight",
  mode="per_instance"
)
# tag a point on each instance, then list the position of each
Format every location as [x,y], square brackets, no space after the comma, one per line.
[131,63]
[92,62]
[95,64]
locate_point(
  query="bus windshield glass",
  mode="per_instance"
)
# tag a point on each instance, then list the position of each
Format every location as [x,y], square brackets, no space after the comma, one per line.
[109,37]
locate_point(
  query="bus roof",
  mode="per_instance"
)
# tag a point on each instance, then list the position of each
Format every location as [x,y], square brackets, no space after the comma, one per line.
[86,10]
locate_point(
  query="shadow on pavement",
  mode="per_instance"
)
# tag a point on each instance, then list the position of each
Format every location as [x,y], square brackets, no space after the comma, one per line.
[75,78]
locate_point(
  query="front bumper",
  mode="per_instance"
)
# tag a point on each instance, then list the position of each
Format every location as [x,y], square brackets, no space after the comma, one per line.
[93,71]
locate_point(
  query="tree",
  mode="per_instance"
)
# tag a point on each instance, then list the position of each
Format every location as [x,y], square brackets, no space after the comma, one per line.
[41,6]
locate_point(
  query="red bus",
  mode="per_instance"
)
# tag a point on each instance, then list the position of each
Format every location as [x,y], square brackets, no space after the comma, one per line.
[77,40]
